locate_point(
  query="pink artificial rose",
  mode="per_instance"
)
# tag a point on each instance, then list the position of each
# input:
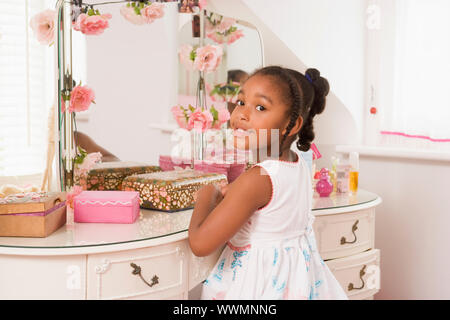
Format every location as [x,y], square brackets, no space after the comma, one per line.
[235,36]
[129,14]
[43,26]
[81,98]
[184,54]
[76,190]
[152,12]
[200,120]
[225,24]
[178,114]
[217,38]
[89,162]
[92,25]
[208,58]
[224,115]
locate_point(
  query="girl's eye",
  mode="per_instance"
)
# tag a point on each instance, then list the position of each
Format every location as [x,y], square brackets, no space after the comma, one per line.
[260,108]
[240,103]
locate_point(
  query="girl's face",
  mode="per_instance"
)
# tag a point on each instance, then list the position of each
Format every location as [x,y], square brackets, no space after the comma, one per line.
[260,109]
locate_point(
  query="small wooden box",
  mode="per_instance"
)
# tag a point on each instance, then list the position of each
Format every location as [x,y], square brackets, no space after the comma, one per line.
[32,215]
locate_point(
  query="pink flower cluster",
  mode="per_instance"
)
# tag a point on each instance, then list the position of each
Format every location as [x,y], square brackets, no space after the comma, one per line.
[202,120]
[88,163]
[43,26]
[92,24]
[81,98]
[223,30]
[206,58]
[145,15]
[222,38]
[76,190]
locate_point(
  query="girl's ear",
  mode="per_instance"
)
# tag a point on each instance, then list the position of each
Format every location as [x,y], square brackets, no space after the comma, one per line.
[296,128]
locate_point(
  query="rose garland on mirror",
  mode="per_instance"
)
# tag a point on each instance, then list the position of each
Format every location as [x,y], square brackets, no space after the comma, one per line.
[143,12]
[89,21]
[222,29]
[80,99]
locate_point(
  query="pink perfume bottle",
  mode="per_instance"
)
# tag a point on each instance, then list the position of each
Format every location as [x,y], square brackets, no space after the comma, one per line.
[324,186]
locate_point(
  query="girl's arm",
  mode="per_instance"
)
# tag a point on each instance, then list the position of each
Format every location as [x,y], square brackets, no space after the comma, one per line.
[216,219]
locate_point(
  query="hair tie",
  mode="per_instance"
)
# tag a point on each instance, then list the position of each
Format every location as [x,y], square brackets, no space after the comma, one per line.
[308,78]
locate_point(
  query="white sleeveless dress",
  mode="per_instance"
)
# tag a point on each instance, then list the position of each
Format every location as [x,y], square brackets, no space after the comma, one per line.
[274,255]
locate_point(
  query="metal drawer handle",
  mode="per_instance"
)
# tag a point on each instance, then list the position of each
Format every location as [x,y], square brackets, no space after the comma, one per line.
[354,228]
[137,271]
[361,274]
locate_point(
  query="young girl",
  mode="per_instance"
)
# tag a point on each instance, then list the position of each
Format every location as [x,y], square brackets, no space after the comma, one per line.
[264,217]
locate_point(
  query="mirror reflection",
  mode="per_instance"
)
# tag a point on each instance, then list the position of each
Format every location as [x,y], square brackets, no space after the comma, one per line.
[134,73]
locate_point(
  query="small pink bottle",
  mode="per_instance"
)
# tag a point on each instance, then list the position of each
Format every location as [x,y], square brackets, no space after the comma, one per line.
[324,186]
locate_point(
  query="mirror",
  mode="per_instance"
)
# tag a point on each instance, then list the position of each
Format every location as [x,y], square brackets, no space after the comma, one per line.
[134,70]
[242,54]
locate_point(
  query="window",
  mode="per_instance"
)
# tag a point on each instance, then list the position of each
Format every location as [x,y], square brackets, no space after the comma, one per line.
[26,89]
[408,70]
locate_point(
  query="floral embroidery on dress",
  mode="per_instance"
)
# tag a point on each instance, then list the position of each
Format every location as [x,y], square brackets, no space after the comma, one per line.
[218,274]
[275,257]
[275,282]
[307,258]
[237,262]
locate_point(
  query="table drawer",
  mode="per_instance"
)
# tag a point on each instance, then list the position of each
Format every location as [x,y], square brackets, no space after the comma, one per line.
[150,273]
[341,235]
[359,275]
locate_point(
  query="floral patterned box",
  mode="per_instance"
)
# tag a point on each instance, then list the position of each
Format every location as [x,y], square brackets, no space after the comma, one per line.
[109,175]
[170,190]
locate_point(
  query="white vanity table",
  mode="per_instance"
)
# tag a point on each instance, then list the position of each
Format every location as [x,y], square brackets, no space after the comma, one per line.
[102,261]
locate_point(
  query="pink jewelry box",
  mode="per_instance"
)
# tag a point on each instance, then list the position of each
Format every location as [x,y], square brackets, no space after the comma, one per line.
[230,170]
[106,206]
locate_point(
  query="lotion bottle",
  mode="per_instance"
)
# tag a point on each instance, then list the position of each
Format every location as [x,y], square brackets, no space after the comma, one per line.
[354,163]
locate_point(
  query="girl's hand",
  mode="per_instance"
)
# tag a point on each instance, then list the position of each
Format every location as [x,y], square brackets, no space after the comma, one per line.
[209,194]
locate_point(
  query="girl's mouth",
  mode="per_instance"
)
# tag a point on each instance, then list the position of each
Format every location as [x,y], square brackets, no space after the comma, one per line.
[240,133]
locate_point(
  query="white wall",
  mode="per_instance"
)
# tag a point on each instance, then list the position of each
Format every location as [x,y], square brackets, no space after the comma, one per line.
[412,225]
[325,34]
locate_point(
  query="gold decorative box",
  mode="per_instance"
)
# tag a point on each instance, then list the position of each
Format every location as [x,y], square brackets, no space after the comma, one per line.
[170,190]
[109,175]
[34,214]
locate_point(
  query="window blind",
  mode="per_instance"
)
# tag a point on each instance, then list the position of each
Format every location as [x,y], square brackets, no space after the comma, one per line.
[26,89]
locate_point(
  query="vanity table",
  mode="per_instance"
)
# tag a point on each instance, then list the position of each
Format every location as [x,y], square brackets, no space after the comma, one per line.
[151,258]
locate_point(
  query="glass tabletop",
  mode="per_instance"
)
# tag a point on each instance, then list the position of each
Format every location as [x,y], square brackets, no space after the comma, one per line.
[150,225]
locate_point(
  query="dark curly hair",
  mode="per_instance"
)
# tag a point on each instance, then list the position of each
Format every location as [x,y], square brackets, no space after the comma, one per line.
[306,96]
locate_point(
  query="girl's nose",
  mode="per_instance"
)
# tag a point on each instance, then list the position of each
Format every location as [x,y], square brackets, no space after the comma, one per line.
[243,113]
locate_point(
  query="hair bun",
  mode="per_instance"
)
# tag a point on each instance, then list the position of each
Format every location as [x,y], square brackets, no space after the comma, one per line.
[321,90]
[321,85]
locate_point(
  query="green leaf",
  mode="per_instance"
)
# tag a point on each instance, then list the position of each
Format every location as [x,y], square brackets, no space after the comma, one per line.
[191,108]
[137,10]
[192,55]
[91,12]
[214,113]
